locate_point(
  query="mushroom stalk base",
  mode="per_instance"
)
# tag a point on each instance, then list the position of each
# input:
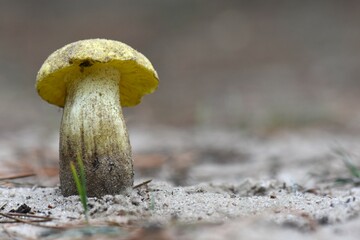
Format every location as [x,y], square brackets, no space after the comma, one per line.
[93,128]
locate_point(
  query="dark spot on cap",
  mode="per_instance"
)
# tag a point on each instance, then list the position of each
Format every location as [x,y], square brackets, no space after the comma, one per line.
[86,63]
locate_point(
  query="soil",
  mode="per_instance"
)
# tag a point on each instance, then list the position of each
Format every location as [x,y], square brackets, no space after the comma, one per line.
[205,184]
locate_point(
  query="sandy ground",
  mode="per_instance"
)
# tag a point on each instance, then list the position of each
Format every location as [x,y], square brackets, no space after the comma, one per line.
[205,185]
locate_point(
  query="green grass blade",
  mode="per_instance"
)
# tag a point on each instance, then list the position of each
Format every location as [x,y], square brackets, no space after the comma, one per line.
[75,176]
[83,195]
[80,185]
[353,169]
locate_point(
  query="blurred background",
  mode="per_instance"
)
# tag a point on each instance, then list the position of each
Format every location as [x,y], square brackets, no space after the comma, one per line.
[226,64]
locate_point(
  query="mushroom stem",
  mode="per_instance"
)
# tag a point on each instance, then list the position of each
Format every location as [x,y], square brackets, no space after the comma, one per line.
[93,128]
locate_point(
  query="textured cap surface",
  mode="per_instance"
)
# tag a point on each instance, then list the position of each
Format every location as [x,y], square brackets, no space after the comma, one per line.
[138,76]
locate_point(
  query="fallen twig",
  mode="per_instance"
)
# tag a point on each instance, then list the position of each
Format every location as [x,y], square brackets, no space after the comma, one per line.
[142,184]
[22,175]
[16,218]
[29,216]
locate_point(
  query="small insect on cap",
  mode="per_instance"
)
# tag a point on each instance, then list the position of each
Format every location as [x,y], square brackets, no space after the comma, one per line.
[138,76]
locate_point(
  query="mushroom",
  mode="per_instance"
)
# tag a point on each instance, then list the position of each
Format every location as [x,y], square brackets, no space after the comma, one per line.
[92,79]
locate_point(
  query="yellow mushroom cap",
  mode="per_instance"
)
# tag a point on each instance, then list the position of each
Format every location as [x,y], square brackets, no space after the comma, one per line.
[138,77]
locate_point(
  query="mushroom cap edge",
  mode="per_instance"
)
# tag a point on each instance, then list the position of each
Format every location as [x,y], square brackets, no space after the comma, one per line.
[138,77]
